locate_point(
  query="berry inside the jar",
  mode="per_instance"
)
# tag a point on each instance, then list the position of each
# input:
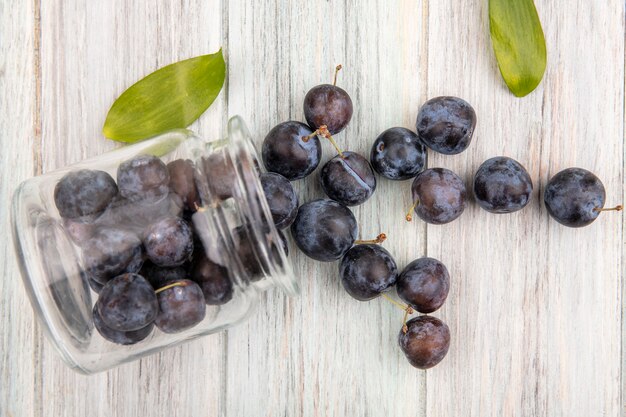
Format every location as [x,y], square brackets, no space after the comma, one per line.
[140,249]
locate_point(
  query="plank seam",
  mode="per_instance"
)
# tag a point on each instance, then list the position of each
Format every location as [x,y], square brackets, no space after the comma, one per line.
[425,57]
[37,160]
[37,70]
[225,46]
[622,392]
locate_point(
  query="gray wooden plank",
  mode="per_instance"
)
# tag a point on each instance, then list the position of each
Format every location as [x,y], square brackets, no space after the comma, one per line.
[534,308]
[20,375]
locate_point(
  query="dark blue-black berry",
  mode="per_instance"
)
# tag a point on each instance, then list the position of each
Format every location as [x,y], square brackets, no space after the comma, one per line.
[367,270]
[575,197]
[181,306]
[328,105]
[94,285]
[348,179]
[425,342]
[214,280]
[438,196]
[136,216]
[220,175]
[250,252]
[159,276]
[143,177]
[183,183]
[79,231]
[446,124]
[291,151]
[398,154]
[127,302]
[118,336]
[84,193]
[502,185]
[169,242]
[281,198]
[424,284]
[324,230]
[111,252]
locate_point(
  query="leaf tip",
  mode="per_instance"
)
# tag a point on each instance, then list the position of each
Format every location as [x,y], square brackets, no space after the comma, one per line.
[520,94]
[106,131]
[110,133]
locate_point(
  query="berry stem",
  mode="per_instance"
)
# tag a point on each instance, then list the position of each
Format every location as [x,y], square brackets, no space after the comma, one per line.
[379,239]
[330,138]
[408,311]
[616,208]
[409,215]
[337,69]
[394,302]
[172,285]
[323,131]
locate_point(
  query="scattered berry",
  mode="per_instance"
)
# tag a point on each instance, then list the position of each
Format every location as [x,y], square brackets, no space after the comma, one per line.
[324,230]
[328,105]
[367,270]
[426,341]
[502,185]
[446,124]
[424,284]
[348,179]
[398,154]
[575,197]
[438,195]
[289,150]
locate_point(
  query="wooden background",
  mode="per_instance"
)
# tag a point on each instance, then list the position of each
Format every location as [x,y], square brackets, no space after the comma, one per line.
[535,309]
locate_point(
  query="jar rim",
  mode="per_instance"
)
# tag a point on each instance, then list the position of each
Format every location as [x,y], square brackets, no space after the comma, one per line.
[279,271]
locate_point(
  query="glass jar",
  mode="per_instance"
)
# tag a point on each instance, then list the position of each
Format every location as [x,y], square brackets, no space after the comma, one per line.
[229,218]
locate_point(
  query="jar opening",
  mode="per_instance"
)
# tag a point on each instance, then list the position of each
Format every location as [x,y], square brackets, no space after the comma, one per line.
[235,207]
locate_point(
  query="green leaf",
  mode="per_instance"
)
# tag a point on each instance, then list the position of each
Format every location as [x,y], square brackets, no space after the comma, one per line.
[169,98]
[519,44]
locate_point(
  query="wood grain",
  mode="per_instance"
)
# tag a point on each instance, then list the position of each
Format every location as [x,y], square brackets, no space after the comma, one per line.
[535,310]
[20,368]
